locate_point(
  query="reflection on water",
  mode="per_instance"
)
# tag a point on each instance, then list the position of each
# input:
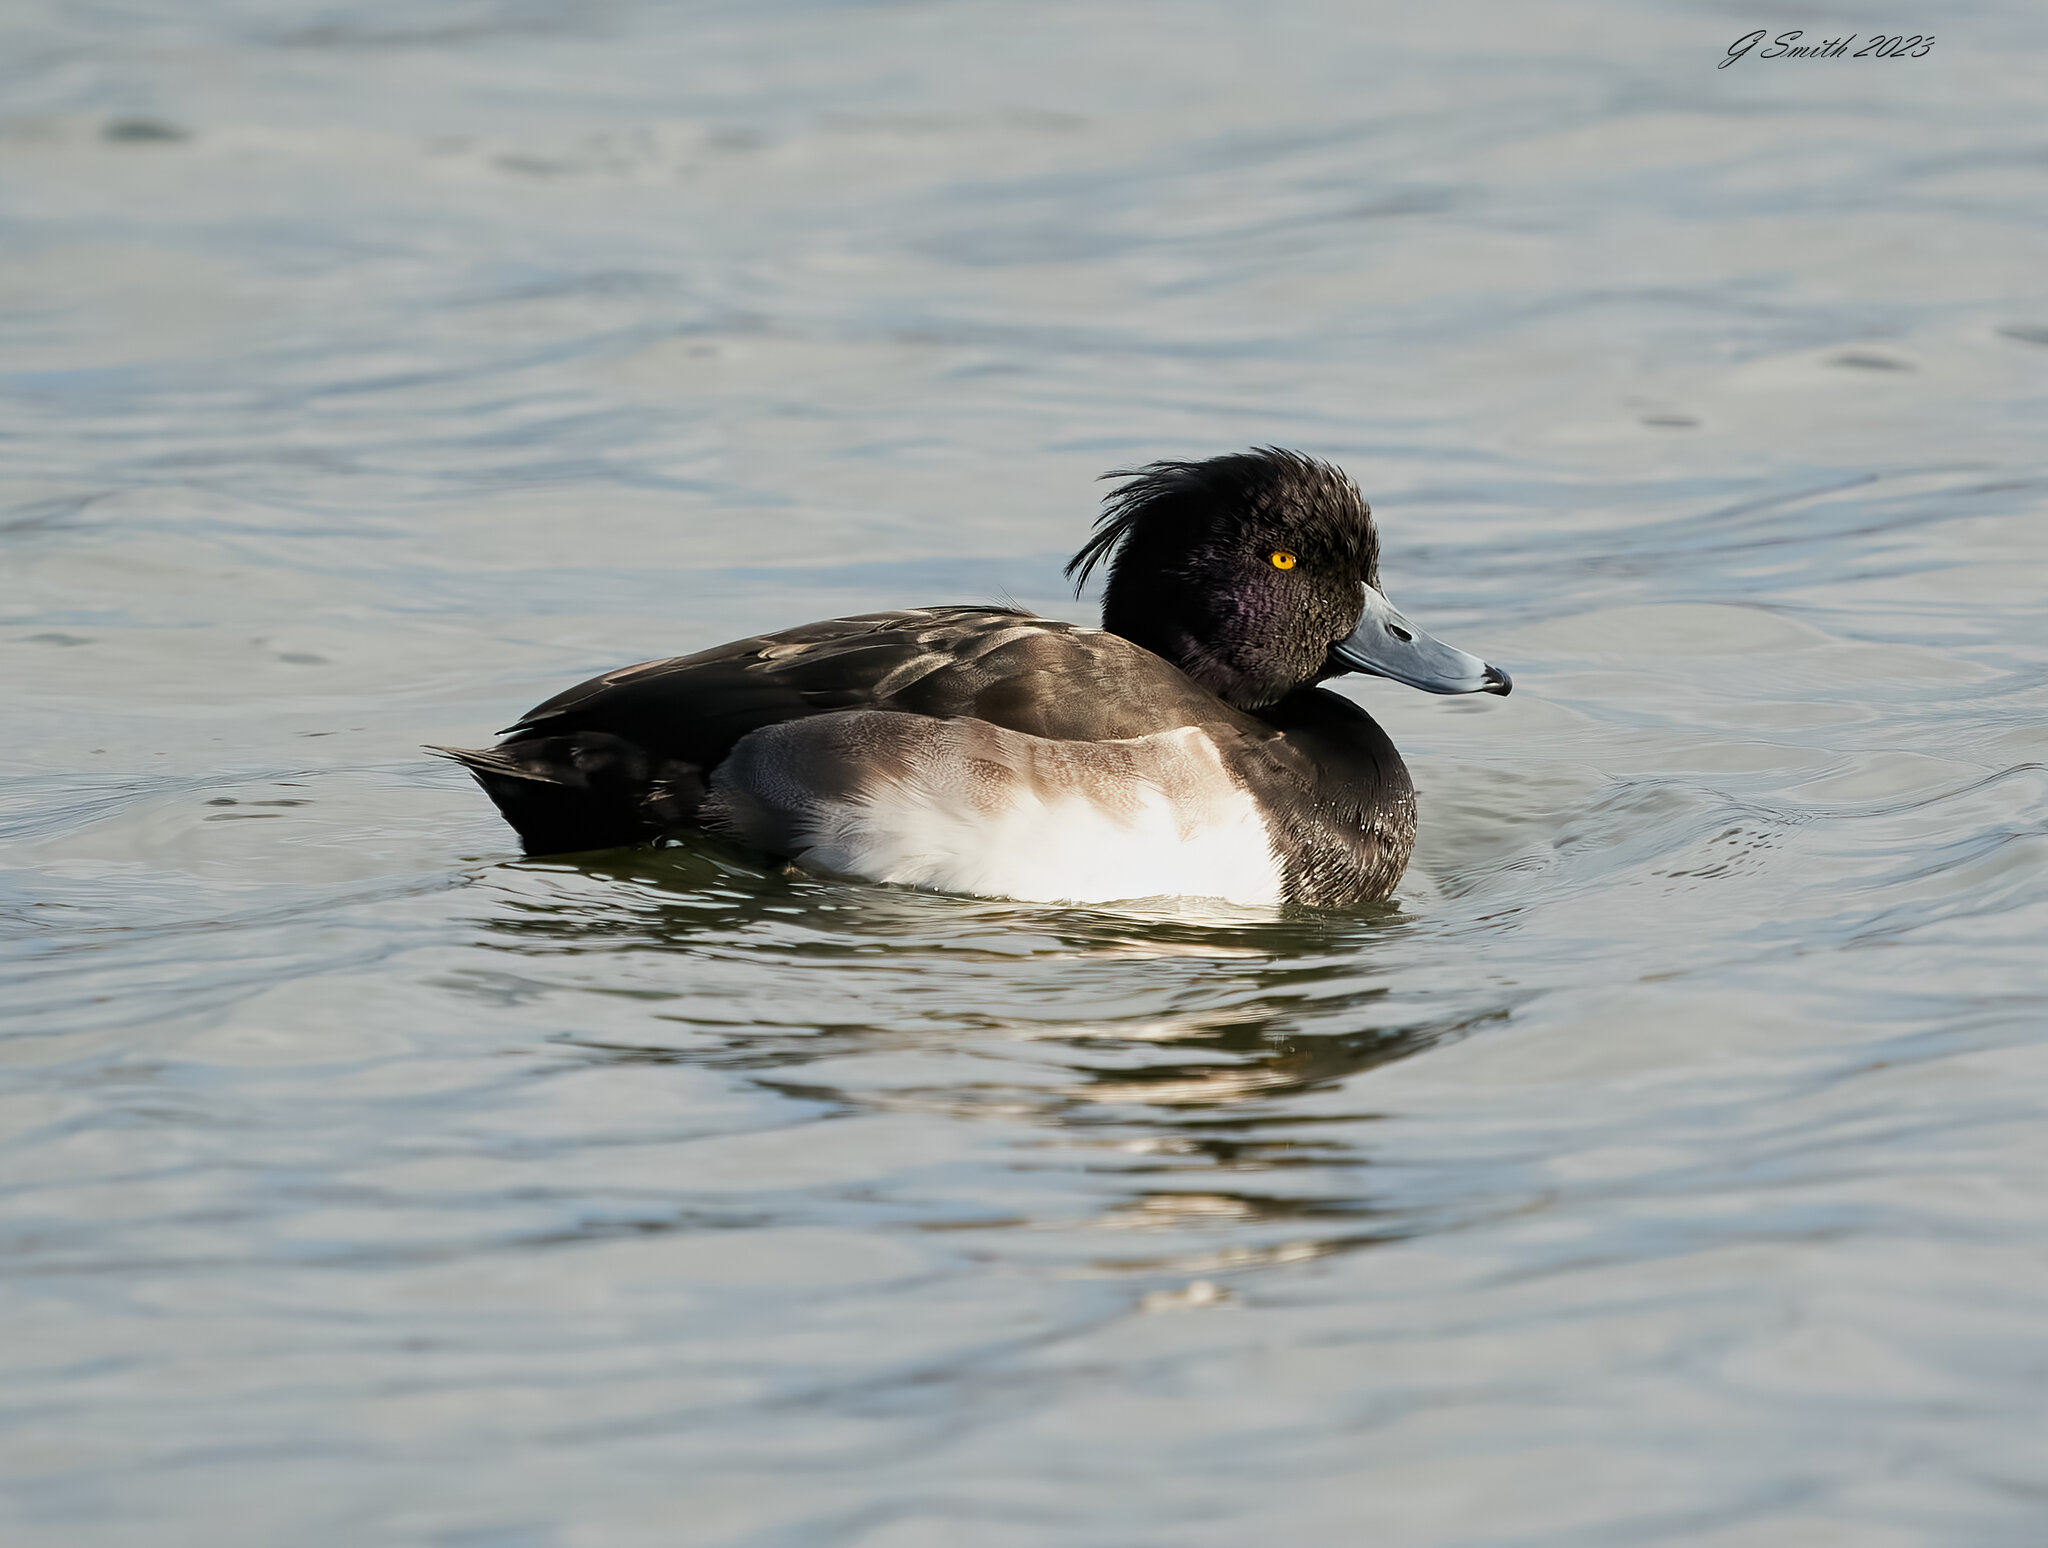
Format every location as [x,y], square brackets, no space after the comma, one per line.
[1205,1028]
[920,966]
[366,381]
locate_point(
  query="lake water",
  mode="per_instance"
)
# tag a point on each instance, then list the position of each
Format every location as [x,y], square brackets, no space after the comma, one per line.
[1669,1165]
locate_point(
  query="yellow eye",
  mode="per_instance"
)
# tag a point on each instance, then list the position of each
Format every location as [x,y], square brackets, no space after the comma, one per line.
[1282,559]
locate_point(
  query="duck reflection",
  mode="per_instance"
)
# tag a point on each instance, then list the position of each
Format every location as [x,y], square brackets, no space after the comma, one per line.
[1181,1044]
[1285,1004]
[679,894]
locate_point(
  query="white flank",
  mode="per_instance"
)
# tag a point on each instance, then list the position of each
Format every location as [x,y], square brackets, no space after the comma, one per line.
[1044,821]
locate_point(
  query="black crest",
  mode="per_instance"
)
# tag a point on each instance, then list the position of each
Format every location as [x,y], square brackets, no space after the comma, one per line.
[1266,489]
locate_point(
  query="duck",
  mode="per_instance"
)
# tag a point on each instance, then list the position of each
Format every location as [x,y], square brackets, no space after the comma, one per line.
[1187,748]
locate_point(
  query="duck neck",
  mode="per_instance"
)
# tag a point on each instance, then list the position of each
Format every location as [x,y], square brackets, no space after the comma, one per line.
[1202,635]
[1159,627]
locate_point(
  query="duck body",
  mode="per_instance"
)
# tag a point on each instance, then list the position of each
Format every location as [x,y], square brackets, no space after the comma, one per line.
[987,750]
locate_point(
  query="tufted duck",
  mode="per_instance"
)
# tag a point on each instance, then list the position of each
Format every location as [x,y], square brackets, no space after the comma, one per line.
[1181,749]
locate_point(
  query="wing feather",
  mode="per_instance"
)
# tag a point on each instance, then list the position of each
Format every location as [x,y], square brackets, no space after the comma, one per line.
[1023,673]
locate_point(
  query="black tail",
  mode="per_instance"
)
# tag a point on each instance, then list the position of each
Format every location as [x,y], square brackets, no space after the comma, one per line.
[586,790]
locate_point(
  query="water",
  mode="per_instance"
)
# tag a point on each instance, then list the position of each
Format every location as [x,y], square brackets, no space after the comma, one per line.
[1667,1165]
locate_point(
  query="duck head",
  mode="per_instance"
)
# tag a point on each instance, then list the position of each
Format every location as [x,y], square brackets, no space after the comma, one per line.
[1257,574]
